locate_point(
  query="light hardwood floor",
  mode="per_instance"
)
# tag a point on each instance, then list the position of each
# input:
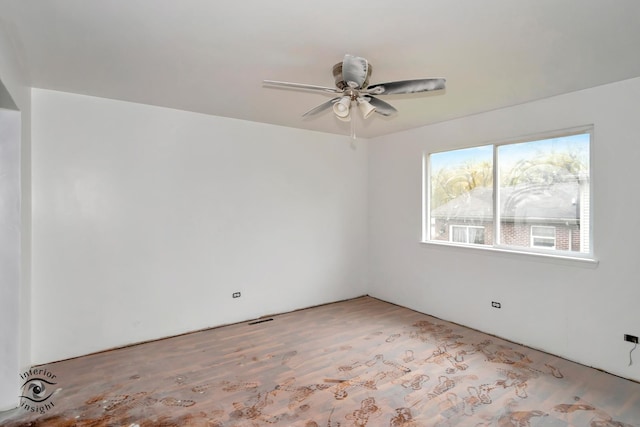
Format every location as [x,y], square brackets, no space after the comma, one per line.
[361,362]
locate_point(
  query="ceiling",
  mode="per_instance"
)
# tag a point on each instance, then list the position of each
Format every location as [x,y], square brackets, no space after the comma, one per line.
[211,56]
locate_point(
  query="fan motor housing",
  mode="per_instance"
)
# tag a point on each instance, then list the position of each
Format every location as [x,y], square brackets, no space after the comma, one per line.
[341,84]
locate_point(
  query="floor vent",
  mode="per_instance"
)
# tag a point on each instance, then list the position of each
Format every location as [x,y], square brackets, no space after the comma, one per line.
[255,322]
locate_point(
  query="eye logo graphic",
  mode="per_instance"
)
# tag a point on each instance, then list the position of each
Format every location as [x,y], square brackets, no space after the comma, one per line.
[37,389]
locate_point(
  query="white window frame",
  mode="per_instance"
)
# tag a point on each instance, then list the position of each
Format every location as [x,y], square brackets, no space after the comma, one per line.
[587,257]
[466,227]
[534,236]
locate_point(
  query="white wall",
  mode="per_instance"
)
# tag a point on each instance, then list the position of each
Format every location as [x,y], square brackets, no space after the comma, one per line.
[9,256]
[573,310]
[146,219]
[15,223]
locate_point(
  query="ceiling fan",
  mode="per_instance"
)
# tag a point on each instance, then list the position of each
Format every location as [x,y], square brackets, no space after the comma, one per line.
[352,87]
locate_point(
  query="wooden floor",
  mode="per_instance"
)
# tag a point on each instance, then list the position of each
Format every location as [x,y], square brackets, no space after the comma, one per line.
[361,362]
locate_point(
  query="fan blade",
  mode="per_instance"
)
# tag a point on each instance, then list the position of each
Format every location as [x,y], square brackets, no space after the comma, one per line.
[320,108]
[300,86]
[381,107]
[354,71]
[406,86]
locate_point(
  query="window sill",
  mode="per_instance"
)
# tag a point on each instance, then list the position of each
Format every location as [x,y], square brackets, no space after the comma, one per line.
[564,258]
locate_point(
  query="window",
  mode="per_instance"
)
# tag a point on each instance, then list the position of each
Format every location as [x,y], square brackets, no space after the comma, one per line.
[543,237]
[531,196]
[466,234]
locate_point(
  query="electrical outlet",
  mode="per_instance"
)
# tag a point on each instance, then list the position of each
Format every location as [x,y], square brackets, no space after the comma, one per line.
[496,304]
[236,295]
[631,338]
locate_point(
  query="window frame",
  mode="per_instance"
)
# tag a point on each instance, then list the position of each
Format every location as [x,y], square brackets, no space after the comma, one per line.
[466,227]
[536,252]
[534,236]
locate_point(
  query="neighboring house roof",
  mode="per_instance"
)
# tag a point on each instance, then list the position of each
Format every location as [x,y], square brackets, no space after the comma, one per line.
[555,202]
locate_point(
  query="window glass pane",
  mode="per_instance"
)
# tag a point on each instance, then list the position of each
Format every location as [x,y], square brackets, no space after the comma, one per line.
[544,243]
[544,231]
[543,237]
[476,235]
[543,186]
[459,234]
[461,194]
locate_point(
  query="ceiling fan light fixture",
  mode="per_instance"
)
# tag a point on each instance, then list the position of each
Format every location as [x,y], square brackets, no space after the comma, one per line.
[352,85]
[341,107]
[365,107]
